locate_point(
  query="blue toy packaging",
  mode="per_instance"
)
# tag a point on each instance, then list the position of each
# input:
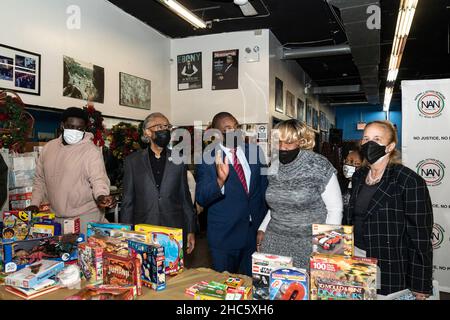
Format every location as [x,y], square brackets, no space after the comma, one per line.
[289,284]
[104,229]
[152,263]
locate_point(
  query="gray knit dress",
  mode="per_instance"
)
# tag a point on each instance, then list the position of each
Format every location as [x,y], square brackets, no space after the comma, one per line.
[294,199]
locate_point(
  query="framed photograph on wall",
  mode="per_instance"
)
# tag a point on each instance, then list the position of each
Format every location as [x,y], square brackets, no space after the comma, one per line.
[279,107]
[82,80]
[322,123]
[315,119]
[308,113]
[20,70]
[300,110]
[189,68]
[135,92]
[290,105]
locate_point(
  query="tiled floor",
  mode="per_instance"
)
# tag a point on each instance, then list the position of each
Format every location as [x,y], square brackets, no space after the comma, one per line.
[201,258]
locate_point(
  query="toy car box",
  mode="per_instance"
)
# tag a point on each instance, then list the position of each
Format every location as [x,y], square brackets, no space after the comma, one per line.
[333,239]
[19,254]
[289,284]
[172,241]
[342,278]
[104,229]
[16,225]
[262,266]
[151,257]
[90,261]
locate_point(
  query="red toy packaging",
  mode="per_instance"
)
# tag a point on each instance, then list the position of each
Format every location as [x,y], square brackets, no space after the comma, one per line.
[90,260]
[122,271]
[333,239]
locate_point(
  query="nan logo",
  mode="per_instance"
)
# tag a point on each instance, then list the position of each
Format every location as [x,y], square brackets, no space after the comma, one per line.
[432,171]
[437,236]
[430,103]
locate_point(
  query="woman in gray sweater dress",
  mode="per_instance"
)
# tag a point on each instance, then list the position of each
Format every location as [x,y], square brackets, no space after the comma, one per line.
[303,191]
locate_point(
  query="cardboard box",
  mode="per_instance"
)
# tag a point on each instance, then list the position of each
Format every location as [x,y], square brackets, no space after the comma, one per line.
[172,241]
[333,239]
[122,271]
[262,266]
[90,261]
[289,284]
[343,278]
[104,229]
[34,274]
[16,225]
[71,225]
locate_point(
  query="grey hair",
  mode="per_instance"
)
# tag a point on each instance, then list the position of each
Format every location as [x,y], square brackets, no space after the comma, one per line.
[149,118]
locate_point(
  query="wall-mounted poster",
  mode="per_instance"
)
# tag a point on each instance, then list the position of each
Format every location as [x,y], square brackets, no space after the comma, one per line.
[300,110]
[225,70]
[20,70]
[290,105]
[315,119]
[189,71]
[83,80]
[279,107]
[308,113]
[135,92]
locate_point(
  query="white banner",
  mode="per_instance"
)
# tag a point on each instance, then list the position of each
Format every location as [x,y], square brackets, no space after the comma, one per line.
[426,150]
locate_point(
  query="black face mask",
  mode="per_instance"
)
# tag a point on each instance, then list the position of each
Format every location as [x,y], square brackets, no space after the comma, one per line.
[372,151]
[287,156]
[162,138]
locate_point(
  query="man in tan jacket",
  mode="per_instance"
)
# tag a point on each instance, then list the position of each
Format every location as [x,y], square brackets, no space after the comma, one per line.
[71,174]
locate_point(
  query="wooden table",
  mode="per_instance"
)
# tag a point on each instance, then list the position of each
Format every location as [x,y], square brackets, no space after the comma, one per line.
[174,290]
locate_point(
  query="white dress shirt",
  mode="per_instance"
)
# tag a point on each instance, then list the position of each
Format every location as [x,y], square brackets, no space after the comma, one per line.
[332,198]
[242,159]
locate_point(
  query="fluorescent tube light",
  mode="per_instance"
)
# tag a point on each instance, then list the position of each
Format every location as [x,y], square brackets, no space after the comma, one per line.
[184,13]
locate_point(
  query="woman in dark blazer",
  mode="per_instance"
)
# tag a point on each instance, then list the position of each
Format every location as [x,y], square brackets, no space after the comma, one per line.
[391,211]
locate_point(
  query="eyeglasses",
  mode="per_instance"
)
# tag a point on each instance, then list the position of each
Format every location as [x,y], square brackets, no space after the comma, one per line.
[159,127]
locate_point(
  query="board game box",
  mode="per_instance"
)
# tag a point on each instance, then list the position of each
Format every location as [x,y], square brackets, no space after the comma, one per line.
[151,258]
[90,262]
[333,239]
[117,246]
[336,277]
[289,284]
[262,266]
[122,271]
[172,241]
[34,274]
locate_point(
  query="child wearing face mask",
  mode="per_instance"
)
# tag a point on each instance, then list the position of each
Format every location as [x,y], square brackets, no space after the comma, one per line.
[352,162]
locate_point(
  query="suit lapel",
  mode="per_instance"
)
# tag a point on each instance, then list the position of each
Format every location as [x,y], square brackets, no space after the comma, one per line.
[147,166]
[385,189]
[167,166]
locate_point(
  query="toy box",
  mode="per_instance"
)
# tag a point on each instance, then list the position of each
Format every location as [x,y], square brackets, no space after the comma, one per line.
[342,278]
[104,229]
[45,229]
[90,260]
[16,225]
[152,264]
[19,254]
[333,239]
[122,271]
[71,225]
[138,236]
[172,241]
[289,284]
[239,293]
[105,292]
[232,282]
[19,205]
[209,293]
[192,290]
[262,266]
[34,274]
[117,246]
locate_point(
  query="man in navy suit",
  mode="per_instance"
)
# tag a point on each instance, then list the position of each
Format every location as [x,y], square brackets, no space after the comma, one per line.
[233,190]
